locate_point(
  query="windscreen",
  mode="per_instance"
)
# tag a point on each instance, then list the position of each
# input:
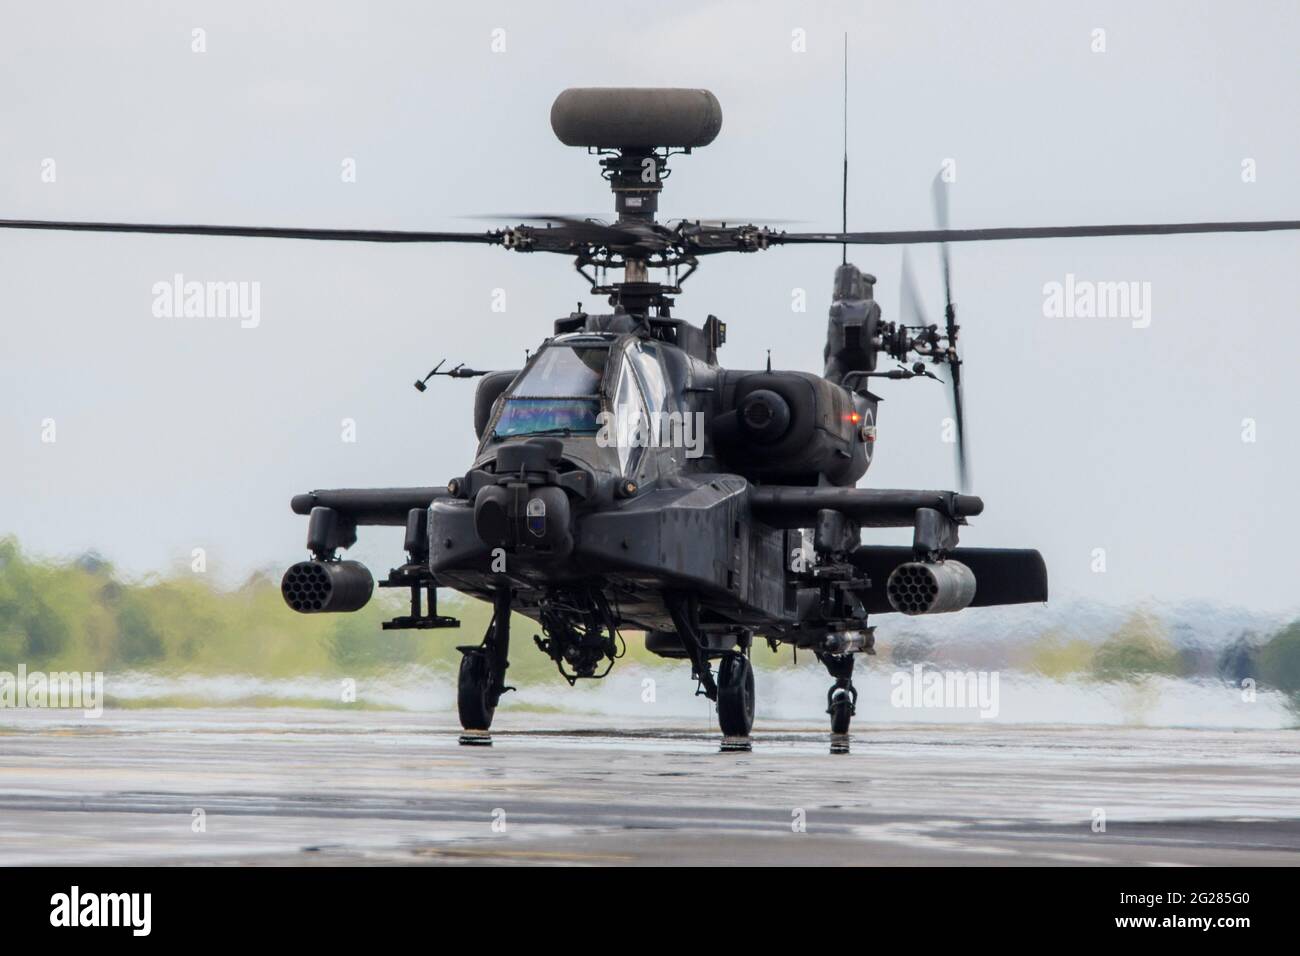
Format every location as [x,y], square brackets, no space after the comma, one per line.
[558,395]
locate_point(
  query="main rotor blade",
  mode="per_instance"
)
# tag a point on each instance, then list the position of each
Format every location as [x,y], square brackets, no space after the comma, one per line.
[566,217]
[720,222]
[1026,232]
[575,227]
[260,232]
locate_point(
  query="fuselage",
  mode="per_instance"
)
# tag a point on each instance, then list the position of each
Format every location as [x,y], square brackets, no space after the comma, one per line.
[651,452]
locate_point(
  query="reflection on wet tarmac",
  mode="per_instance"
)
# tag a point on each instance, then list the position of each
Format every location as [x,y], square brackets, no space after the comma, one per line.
[317,787]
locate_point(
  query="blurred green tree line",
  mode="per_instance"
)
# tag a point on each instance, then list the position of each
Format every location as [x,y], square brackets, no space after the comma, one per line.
[81,615]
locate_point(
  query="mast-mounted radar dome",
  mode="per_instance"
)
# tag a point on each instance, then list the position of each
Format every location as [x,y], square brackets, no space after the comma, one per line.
[633,118]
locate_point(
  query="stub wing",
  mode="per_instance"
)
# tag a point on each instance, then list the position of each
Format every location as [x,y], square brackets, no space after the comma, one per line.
[336,513]
[794,507]
[368,506]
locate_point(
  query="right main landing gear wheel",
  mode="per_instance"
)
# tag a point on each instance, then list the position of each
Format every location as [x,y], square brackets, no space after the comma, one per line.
[736,695]
[482,678]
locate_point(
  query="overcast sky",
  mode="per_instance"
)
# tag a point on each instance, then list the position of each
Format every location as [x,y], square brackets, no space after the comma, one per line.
[1087,433]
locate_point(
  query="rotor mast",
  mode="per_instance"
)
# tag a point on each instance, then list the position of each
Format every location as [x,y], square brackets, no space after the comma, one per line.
[635,177]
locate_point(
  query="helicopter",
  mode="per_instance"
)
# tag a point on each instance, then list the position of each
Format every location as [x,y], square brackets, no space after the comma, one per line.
[625,480]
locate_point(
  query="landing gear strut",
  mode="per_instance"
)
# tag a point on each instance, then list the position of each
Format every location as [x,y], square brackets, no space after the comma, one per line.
[842,698]
[733,688]
[482,678]
[685,611]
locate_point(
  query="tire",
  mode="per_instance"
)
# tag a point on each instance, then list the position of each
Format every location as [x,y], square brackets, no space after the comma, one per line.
[841,711]
[736,696]
[472,692]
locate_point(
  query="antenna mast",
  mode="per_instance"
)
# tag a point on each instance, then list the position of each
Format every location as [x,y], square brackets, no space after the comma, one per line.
[844,192]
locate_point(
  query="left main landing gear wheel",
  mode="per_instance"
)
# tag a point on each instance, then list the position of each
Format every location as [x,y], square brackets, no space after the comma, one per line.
[736,695]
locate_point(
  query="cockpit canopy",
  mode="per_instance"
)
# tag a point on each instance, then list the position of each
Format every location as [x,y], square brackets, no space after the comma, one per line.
[612,388]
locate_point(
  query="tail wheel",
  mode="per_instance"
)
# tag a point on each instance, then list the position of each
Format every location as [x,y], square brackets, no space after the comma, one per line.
[736,696]
[472,692]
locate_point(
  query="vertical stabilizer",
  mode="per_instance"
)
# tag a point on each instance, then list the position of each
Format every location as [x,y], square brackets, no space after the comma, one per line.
[854,321]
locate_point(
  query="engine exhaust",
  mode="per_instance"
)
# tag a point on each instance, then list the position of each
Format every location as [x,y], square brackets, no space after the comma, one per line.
[320,587]
[930,588]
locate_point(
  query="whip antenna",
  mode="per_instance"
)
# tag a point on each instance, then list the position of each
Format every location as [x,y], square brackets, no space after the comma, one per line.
[844,191]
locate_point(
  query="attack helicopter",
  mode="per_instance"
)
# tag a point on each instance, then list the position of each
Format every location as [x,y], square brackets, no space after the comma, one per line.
[625,480]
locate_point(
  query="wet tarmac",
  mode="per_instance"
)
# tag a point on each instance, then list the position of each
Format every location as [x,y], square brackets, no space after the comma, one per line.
[313,787]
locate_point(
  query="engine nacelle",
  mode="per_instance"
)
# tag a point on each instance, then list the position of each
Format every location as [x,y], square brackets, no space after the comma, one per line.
[922,587]
[319,587]
[792,428]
